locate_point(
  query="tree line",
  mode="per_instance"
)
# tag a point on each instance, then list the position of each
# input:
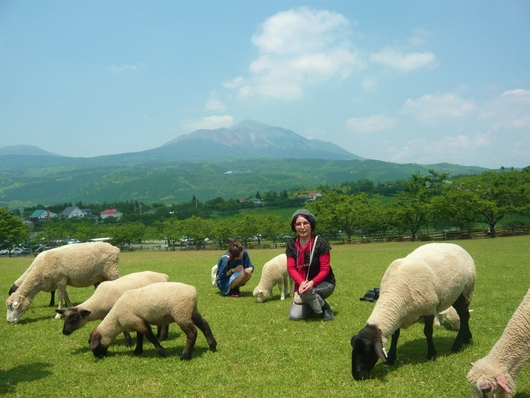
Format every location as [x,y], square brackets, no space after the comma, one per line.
[423,202]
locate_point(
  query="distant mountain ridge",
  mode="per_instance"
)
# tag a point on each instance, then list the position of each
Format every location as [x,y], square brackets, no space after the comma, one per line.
[248,139]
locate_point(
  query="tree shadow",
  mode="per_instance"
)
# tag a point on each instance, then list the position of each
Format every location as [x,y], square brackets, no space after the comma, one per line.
[22,373]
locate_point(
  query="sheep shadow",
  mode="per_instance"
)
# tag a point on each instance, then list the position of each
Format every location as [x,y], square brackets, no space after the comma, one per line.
[414,352]
[22,373]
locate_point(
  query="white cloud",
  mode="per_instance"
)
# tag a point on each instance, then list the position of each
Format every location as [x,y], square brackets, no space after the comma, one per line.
[214,103]
[210,123]
[459,148]
[396,59]
[298,47]
[125,67]
[372,123]
[429,108]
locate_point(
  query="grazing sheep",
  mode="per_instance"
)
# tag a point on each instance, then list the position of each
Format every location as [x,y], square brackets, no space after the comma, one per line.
[274,273]
[19,281]
[427,281]
[77,265]
[155,304]
[101,302]
[495,375]
[213,275]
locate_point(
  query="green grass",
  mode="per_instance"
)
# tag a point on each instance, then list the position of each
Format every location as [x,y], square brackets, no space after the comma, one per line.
[261,353]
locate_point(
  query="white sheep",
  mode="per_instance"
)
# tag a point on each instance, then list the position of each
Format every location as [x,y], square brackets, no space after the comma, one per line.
[213,275]
[79,265]
[274,273]
[427,281]
[495,375]
[19,281]
[156,304]
[100,303]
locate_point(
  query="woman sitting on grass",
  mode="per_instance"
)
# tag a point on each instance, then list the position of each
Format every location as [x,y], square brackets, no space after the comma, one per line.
[234,270]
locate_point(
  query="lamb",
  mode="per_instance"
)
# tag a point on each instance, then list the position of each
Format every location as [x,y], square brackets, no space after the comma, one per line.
[427,281]
[19,281]
[155,304]
[495,375]
[79,265]
[274,273]
[213,275]
[101,302]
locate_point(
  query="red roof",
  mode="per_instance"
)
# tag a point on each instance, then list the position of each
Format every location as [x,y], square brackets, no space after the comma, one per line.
[108,211]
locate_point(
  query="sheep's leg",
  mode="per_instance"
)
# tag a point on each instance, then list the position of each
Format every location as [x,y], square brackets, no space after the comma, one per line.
[52,299]
[145,330]
[203,325]
[427,331]
[63,296]
[128,339]
[139,344]
[191,336]
[391,356]
[461,305]
[162,332]
[283,287]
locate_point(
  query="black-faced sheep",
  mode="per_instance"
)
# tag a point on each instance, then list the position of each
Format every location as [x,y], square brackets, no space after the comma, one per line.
[274,273]
[495,375]
[427,281]
[79,265]
[101,302]
[19,281]
[155,304]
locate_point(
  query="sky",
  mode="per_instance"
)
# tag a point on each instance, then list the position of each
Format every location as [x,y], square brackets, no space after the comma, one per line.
[399,81]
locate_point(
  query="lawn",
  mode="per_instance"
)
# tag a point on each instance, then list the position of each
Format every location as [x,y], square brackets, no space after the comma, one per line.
[261,353]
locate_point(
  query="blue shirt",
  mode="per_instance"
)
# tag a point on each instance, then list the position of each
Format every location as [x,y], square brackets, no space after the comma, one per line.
[224,265]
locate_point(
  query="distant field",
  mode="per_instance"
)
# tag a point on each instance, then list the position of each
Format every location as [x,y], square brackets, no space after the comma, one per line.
[261,353]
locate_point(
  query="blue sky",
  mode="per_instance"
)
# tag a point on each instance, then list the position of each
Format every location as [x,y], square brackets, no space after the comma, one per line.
[399,81]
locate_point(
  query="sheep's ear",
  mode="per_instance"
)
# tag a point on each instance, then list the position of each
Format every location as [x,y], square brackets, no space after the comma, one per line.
[501,381]
[472,363]
[94,341]
[85,313]
[380,350]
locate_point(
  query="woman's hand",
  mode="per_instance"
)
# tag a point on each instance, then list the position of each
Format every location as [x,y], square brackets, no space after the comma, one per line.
[248,271]
[239,268]
[306,287]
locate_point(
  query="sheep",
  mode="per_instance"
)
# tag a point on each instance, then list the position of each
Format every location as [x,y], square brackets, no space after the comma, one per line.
[19,281]
[213,275]
[100,303]
[79,265]
[274,273]
[495,375]
[427,281]
[155,304]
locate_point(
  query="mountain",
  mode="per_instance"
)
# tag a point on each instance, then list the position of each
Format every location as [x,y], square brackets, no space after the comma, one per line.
[234,163]
[248,139]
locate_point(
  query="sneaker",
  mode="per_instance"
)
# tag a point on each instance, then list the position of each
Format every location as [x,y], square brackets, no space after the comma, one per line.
[328,315]
[235,293]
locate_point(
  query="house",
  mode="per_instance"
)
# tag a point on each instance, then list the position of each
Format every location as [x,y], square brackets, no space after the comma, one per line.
[73,211]
[41,215]
[310,197]
[110,213]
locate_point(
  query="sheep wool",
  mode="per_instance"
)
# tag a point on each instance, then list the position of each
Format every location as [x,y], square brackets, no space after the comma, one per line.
[427,281]
[495,375]
[159,304]
[101,302]
[78,265]
[274,273]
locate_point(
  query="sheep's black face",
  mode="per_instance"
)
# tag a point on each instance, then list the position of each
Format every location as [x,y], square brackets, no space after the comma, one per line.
[94,342]
[363,357]
[71,322]
[100,351]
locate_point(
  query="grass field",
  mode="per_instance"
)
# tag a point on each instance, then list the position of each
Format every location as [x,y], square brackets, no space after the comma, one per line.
[261,353]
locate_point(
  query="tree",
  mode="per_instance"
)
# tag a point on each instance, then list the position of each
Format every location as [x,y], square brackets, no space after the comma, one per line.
[197,229]
[455,207]
[12,230]
[347,213]
[271,226]
[246,226]
[127,234]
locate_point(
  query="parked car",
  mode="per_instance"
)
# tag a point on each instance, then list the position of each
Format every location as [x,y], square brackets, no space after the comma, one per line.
[4,251]
[25,251]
